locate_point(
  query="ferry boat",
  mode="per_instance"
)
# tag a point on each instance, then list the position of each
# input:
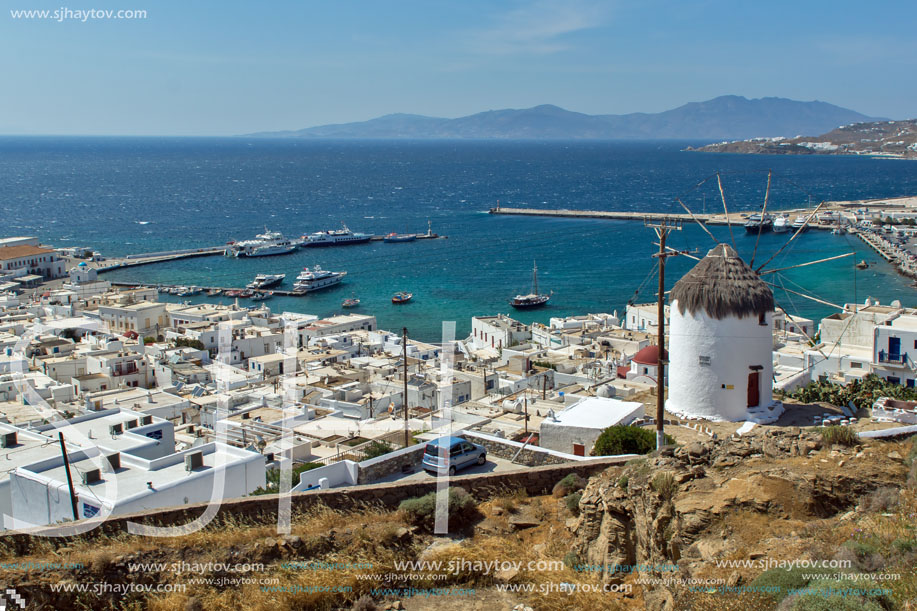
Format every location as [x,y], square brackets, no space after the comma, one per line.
[758,222]
[402,297]
[400,237]
[335,237]
[351,302]
[265,244]
[263,281]
[316,279]
[533,299]
[781,224]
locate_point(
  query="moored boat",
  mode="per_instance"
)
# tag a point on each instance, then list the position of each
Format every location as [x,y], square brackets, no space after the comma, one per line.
[800,223]
[781,224]
[400,237]
[402,297]
[334,237]
[758,222]
[214,292]
[316,279]
[263,281]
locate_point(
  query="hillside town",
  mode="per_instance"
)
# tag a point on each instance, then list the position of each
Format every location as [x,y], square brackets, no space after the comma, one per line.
[132,404]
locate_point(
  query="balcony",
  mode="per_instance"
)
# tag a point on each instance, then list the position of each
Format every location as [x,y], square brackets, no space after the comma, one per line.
[125,370]
[892,359]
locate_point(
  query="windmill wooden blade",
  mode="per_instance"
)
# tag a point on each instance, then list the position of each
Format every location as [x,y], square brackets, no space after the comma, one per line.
[696,220]
[815,299]
[781,269]
[767,193]
[788,242]
[725,209]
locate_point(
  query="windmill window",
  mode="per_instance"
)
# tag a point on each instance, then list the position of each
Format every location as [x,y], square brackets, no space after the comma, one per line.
[762,319]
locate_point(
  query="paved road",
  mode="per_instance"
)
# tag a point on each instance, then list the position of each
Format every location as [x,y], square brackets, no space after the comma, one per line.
[493,465]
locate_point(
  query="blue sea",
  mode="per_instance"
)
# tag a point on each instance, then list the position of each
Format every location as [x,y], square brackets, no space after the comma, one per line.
[133,195]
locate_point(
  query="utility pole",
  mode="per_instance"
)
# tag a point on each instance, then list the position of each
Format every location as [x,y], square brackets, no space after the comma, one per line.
[662,229]
[63,449]
[404,353]
[525,402]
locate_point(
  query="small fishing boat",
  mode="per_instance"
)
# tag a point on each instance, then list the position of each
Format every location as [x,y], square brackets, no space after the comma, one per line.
[232,293]
[862,265]
[402,297]
[247,293]
[262,296]
[351,302]
[214,292]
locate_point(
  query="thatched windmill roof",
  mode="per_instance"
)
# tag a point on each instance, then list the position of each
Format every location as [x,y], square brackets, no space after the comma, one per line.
[722,285]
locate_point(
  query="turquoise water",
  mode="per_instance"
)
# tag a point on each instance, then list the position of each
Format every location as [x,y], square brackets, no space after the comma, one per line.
[139,195]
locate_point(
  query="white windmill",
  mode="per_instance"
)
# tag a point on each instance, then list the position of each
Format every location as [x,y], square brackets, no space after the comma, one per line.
[721,338]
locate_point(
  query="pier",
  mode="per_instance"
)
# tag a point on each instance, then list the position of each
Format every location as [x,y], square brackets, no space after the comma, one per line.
[204,289]
[137,260]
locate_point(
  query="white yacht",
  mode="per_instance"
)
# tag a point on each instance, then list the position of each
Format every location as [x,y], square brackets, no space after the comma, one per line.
[335,237]
[316,279]
[264,245]
[263,281]
[781,224]
[800,223]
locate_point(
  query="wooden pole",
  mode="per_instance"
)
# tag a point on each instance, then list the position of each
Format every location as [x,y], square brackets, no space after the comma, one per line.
[63,449]
[404,352]
[660,368]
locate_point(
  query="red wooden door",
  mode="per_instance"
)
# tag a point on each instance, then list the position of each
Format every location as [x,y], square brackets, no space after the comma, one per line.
[753,394]
[579,449]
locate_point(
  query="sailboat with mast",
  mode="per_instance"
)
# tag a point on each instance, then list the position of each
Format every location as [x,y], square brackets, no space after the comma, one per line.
[533,299]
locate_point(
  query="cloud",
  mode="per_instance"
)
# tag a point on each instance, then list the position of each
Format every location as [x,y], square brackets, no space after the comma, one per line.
[538,28]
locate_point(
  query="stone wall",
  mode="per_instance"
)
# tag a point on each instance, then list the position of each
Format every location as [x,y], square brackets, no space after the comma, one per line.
[263,509]
[530,456]
[405,460]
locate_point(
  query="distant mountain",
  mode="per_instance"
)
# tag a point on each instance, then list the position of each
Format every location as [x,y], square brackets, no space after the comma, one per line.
[727,117]
[880,138]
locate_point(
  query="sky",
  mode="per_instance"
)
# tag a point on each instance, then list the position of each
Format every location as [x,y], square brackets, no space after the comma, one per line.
[204,67]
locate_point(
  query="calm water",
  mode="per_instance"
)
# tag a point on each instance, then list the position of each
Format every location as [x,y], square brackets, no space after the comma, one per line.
[131,195]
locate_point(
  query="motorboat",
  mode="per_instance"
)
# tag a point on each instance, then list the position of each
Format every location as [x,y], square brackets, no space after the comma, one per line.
[335,237]
[214,292]
[781,224]
[263,281]
[758,222]
[402,297]
[265,244]
[316,279]
[800,223]
[400,237]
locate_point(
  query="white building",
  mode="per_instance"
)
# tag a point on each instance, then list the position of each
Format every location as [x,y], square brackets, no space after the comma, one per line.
[119,483]
[644,317]
[721,342]
[31,260]
[143,318]
[498,332]
[575,429]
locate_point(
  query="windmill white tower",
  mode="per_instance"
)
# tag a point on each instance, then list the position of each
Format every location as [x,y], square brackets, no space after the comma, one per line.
[720,346]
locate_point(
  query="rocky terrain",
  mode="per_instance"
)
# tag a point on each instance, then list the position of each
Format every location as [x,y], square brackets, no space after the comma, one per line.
[885,138]
[639,536]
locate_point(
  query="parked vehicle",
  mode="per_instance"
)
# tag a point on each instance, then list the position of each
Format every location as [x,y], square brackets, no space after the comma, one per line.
[450,453]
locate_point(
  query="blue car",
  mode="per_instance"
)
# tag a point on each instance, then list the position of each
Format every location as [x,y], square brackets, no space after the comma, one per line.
[459,454]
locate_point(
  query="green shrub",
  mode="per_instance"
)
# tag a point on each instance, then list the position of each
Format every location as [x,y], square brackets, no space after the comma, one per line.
[272,478]
[779,582]
[905,546]
[377,449]
[421,510]
[664,485]
[863,393]
[839,435]
[184,342]
[628,439]
[568,485]
[572,501]
[572,559]
[622,482]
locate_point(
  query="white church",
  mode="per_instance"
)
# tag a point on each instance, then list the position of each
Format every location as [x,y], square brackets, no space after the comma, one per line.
[720,346]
